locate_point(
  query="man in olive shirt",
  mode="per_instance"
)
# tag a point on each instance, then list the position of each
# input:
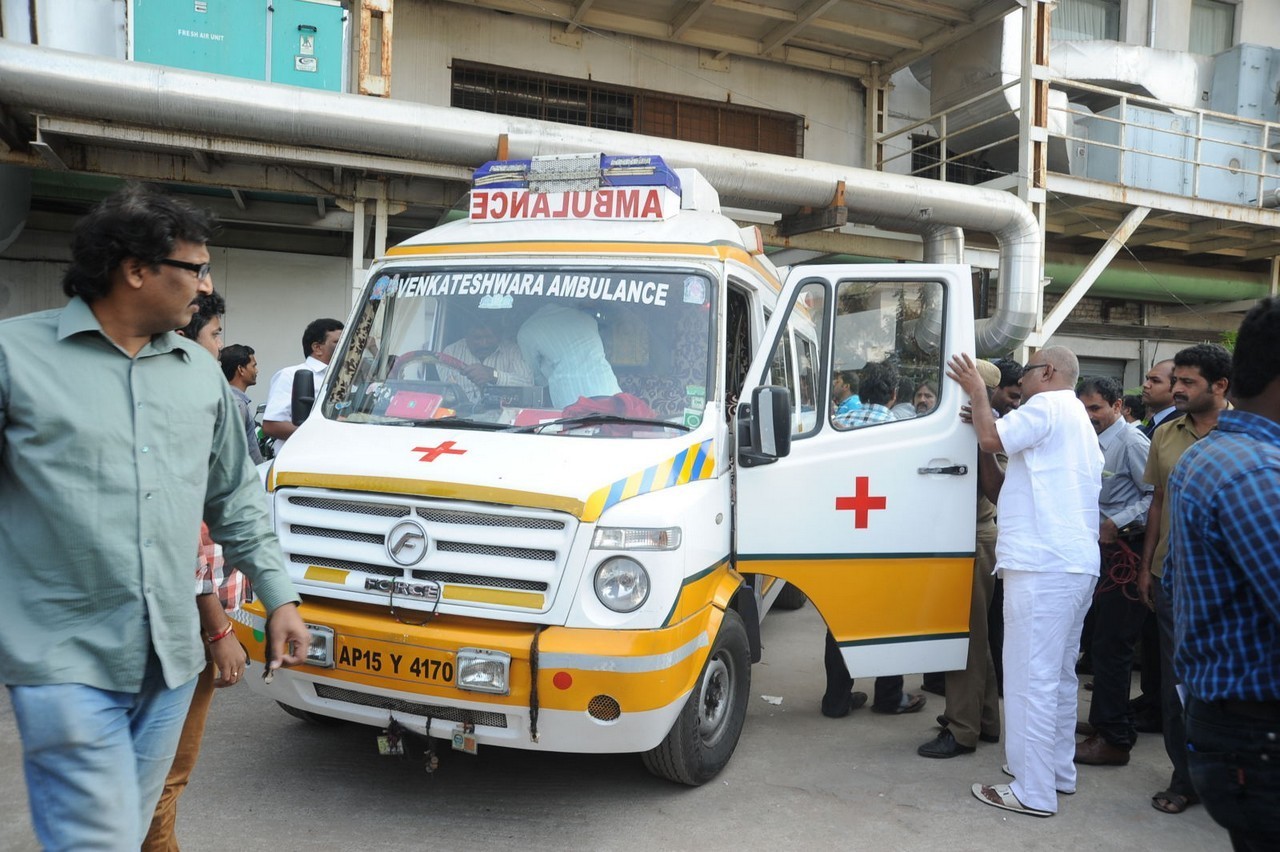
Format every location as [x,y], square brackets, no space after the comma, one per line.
[116,438]
[1201,374]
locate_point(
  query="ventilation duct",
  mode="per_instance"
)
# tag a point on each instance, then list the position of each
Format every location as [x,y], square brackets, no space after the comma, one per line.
[66,84]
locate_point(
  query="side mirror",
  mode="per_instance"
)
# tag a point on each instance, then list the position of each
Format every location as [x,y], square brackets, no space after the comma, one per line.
[768,422]
[304,395]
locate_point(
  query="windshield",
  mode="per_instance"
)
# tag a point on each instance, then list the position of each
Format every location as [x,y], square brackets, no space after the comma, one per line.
[574,351]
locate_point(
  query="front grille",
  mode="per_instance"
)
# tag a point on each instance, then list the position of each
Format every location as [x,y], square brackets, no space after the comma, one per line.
[476,580]
[495,550]
[341,535]
[510,548]
[413,708]
[359,507]
[476,519]
[346,565]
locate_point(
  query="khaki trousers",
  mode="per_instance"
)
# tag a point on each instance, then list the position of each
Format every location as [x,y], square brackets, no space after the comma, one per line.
[973,702]
[162,836]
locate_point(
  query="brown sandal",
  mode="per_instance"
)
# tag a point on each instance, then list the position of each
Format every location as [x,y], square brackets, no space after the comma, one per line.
[1169,802]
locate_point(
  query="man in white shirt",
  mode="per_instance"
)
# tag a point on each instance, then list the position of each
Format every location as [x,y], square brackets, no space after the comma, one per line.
[1157,395]
[319,339]
[1047,554]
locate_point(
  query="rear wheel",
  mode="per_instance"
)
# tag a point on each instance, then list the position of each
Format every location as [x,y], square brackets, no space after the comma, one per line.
[309,717]
[704,736]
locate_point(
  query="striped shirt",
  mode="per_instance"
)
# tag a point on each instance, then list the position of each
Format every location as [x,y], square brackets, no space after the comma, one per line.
[506,362]
[1223,570]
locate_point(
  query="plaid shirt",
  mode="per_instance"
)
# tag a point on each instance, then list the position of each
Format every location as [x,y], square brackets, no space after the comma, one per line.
[1223,569]
[867,415]
[213,577]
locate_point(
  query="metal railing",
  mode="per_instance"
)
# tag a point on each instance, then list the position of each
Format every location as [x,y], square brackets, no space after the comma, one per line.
[1124,131]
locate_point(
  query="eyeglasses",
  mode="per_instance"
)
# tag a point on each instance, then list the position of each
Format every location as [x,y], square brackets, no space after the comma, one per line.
[200,269]
[1031,367]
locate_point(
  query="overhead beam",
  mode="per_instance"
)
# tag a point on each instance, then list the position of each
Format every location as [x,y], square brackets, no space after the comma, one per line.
[804,15]
[992,11]
[579,9]
[756,9]
[880,36]
[112,134]
[919,8]
[1210,308]
[1088,275]
[722,44]
[1198,208]
[691,12]
[293,179]
[838,50]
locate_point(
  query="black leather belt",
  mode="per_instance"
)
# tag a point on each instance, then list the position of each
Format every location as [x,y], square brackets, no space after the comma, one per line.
[1267,711]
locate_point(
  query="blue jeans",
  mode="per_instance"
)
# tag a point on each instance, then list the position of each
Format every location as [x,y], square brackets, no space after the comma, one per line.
[1235,767]
[95,760]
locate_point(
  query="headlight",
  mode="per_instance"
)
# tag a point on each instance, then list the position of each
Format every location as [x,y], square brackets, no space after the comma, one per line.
[636,538]
[480,670]
[320,651]
[622,584]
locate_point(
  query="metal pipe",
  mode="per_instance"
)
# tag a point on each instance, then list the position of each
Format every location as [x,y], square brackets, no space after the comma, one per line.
[61,83]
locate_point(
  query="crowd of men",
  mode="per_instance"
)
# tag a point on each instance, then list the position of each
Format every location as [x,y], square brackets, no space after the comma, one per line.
[112,659]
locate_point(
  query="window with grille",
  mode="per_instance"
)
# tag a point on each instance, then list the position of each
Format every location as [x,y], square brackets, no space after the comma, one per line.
[1085,20]
[586,103]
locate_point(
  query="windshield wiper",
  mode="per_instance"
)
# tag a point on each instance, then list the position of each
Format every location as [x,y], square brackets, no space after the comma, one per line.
[591,419]
[444,422]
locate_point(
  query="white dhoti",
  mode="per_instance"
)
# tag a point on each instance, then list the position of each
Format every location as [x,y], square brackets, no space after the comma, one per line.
[1043,616]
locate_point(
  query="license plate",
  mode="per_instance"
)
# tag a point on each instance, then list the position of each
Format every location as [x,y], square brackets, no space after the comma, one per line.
[400,662]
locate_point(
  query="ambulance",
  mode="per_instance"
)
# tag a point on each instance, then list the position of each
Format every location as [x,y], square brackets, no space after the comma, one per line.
[575,443]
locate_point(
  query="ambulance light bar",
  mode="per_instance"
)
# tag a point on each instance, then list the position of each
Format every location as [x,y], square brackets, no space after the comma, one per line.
[576,172]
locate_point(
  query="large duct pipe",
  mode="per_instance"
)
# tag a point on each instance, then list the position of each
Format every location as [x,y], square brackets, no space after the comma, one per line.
[60,83]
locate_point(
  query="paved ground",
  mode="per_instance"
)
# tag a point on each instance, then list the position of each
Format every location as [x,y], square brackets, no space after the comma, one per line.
[798,780]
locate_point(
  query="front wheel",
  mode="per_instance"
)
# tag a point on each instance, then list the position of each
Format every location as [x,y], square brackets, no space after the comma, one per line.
[705,734]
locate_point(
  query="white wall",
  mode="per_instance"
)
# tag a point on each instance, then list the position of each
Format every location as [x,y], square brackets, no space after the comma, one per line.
[270,296]
[428,37]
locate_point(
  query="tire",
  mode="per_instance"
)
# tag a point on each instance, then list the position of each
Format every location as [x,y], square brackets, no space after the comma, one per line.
[311,718]
[705,734]
[790,598]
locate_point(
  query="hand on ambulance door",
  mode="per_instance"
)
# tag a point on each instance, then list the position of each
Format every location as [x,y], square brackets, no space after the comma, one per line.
[962,370]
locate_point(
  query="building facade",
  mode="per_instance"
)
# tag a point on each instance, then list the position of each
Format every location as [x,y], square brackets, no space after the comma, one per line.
[1143,132]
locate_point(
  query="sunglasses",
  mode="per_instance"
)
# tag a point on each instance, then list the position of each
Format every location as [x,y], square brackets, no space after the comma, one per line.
[200,269]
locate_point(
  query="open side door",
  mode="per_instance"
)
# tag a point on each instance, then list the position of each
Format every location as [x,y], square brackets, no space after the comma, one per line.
[869,515]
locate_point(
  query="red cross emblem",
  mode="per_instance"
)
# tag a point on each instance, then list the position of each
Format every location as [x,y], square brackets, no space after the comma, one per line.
[433,453]
[861,503]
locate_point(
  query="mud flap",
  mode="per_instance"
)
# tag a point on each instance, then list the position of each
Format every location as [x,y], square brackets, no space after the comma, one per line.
[744,601]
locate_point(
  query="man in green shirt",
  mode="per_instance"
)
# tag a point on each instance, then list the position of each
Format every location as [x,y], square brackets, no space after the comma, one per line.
[1201,376]
[116,438]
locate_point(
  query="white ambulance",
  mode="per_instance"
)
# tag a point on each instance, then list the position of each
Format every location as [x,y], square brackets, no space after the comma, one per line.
[570,444]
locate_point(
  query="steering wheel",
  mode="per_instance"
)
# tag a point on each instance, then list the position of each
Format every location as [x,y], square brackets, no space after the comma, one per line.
[425,356]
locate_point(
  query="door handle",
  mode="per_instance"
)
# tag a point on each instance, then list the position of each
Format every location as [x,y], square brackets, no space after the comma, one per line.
[953,470]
